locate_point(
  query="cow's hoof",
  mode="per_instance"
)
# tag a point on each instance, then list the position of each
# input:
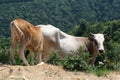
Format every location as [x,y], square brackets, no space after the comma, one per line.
[41,63]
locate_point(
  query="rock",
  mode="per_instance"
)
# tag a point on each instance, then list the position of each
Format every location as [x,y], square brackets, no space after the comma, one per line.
[13,77]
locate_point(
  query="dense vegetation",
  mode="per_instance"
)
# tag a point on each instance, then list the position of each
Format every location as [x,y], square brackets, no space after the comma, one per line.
[64,14]
[77,17]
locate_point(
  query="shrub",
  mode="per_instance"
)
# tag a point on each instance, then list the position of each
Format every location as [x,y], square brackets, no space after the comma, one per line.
[114,56]
[76,62]
[54,58]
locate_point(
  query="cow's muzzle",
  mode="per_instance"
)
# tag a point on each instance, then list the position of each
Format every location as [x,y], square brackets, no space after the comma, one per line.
[101,51]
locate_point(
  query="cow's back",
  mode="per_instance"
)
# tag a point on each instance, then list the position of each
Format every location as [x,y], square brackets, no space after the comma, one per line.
[50,34]
[22,27]
[30,34]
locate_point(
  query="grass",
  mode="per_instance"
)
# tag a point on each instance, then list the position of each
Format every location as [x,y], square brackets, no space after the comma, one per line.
[98,71]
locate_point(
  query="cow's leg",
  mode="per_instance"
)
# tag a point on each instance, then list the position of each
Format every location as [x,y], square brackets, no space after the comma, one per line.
[46,57]
[39,58]
[62,55]
[13,44]
[92,59]
[22,57]
[39,54]
[47,53]
[32,58]
[22,47]
[12,49]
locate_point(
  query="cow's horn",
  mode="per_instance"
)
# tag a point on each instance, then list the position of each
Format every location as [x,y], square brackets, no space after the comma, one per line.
[91,33]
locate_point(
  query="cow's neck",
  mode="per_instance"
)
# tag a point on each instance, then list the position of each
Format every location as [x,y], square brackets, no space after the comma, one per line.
[92,47]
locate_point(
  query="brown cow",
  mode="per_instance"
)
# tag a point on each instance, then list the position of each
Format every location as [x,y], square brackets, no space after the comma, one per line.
[27,36]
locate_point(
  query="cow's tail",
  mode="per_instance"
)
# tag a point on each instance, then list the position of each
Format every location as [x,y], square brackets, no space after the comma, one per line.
[15,30]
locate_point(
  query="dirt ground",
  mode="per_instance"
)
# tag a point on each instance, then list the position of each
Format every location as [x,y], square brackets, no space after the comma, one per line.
[48,72]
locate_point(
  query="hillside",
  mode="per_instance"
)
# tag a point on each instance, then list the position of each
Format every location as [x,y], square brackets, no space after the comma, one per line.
[48,72]
[64,14]
[75,17]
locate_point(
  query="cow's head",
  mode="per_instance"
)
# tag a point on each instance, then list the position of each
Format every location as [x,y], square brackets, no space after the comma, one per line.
[99,40]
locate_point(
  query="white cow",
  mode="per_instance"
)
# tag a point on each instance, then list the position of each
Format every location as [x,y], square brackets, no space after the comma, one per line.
[64,43]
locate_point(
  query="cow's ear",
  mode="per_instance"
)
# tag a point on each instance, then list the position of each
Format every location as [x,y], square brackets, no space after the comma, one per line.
[106,37]
[91,36]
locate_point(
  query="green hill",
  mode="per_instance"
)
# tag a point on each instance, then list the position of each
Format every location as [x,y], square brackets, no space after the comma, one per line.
[64,14]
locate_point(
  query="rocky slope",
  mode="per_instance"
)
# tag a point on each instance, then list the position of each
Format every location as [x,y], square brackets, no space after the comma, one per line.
[48,72]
